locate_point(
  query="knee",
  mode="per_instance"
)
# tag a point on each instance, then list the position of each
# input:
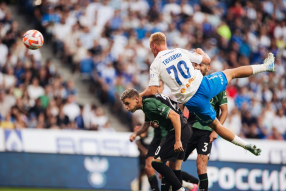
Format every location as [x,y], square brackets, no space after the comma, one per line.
[148,167]
[201,166]
[155,162]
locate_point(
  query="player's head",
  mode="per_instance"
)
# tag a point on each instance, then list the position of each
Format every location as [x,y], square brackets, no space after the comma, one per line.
[204,68]
[160,87]
[157,43]
[130,99]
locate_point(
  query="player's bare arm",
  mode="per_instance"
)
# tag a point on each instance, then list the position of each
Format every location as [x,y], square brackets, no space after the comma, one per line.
[224,113]
[151,90]
[176,121]
[206,59]
[143,129]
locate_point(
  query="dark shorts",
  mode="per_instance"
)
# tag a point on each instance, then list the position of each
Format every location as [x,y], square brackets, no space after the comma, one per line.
[200,141]
[153,147]
[199,104]
[165,151]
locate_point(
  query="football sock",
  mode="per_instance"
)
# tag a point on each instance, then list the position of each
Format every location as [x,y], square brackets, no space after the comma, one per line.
[238,141]
[189,178]
[188,185]
[165,186]
[167,173]
[204,182]
[153,183]
[179,176]
[257,68]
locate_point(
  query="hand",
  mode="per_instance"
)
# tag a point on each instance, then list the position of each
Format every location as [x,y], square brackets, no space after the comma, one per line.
[132,137]
[154,124]
[178,146]
[199,51]
[136,128]
[213,136]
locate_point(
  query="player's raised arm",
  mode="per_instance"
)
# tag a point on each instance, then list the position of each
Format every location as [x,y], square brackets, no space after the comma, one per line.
[176,121]
[205,58]
[151,90]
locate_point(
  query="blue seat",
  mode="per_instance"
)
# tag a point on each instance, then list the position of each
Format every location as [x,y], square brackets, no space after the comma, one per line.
[86,66]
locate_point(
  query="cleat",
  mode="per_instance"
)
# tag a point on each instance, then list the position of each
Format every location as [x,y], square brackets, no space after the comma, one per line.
[269,62]
[195,187]
[253,149]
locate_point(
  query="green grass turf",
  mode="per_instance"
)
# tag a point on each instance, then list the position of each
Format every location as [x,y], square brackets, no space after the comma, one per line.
[43,189]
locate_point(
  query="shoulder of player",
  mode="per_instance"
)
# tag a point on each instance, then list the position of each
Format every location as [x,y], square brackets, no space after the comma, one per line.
[148,101]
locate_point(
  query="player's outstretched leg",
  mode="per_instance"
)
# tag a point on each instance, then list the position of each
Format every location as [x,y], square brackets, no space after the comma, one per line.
[246,71]
[231,137]
[165,186]
[168,174]
[189,181]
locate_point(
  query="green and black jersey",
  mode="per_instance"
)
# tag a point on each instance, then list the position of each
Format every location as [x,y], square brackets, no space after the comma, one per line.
[157,108]
[216,102]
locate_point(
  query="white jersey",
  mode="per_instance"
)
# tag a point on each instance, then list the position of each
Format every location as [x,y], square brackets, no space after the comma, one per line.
[175,69]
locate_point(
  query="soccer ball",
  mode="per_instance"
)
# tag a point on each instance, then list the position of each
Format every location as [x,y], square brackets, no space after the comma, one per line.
[33,39]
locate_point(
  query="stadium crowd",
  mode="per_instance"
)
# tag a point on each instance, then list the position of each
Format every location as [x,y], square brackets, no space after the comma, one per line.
[108,41]
[32,93]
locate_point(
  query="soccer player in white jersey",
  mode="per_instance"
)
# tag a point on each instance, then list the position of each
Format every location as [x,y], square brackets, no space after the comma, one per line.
[191,88]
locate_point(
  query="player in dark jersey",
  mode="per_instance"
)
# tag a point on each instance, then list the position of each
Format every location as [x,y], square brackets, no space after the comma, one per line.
[167,114]
[203,136]
[159,134]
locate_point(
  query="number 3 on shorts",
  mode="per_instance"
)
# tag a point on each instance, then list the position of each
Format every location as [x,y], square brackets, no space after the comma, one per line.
[205,147]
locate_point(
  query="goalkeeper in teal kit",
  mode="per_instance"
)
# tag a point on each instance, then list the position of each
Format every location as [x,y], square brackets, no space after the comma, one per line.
[166,114]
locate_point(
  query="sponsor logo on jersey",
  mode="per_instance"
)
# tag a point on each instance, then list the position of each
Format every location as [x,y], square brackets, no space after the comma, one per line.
[156,121]
[161,113]
[183,90]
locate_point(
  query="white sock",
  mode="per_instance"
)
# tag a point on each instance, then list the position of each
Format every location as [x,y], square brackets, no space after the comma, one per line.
[238,141]
[181,189]
[187,185]
[257,68]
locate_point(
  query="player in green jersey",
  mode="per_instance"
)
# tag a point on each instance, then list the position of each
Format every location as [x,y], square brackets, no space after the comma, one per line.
[189,181]
[159,134]
[166,114]
[203,136]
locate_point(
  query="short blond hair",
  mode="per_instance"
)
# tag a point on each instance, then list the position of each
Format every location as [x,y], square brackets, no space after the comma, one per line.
[129,93]
[158,38]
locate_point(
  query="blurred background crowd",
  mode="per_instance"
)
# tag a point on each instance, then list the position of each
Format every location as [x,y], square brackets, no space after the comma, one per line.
[32,93]
[107,41]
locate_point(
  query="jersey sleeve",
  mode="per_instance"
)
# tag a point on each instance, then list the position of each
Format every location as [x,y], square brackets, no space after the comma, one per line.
[222,98]
[192,56]
[155,108]
[154,74]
